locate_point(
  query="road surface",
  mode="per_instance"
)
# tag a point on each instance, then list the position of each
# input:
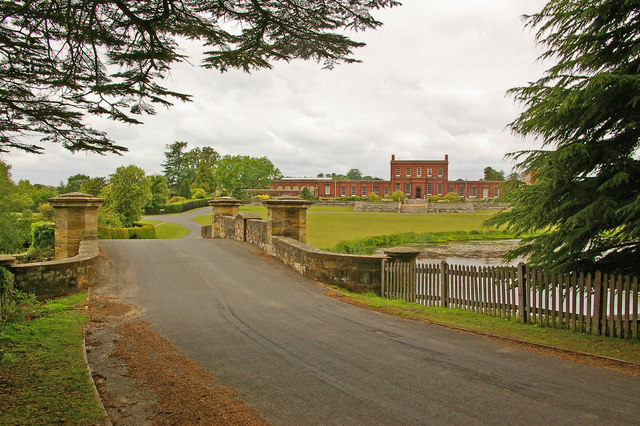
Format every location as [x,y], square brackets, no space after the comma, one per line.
[300,357]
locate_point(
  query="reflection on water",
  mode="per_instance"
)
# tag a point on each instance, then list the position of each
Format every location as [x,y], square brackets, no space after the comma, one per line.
[470,253]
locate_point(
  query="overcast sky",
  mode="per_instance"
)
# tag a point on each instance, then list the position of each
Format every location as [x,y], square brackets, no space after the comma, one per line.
[432,82]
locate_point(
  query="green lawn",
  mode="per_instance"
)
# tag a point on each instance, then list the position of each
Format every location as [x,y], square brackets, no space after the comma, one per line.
[327,226]
[165,231]
[43,378]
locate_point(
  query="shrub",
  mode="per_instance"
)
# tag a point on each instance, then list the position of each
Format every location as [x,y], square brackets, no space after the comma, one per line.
[147,232]
[177,199]
[452,197]
[198,193]
[434,198]
[47,212]
[42,235]
[397,196]
[18,306]
[373,198]
[306,194]
[262,196]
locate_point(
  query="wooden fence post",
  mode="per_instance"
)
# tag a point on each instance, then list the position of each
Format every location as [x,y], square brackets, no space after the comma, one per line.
[383,278]
[404,258]
[523,292]
[444,284]
[597,303]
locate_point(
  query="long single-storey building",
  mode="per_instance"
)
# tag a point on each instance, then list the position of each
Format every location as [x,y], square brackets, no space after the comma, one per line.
[416,178]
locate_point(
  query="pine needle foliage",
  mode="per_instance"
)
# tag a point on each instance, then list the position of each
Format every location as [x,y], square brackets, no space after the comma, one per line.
[63,59]
[585,199]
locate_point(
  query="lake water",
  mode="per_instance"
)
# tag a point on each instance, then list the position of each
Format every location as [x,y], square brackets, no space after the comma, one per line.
[470,253]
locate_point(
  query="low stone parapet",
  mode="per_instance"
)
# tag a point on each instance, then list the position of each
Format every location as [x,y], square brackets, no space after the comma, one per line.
[335,203]
[258,232]
[59,277]
[381,207]
[490,205]
[352,272]
[227,227]
[437,207]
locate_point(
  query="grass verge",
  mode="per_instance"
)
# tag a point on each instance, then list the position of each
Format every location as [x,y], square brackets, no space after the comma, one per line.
[167,231]
[627,350]
[43,377]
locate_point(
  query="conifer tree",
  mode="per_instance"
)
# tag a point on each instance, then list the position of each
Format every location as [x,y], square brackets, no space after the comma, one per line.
[585,112]
[61,59]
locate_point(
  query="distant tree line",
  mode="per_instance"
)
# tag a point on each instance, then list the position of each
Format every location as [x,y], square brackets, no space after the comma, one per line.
[198,173]
[353,174]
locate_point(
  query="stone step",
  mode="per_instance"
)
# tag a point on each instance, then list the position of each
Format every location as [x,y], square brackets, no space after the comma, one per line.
[413,208]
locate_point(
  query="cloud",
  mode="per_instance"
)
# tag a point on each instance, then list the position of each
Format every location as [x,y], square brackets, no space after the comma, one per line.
[432,82]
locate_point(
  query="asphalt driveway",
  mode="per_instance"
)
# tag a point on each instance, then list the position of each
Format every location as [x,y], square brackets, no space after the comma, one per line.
[300,357]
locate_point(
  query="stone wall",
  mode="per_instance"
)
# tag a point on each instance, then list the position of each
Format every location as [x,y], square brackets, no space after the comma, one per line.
[437,207]
[59,277]
[356,273]
[352,272]
[383,207]
[227,227]
[206,231]
[334,203]
[258,232]
[490,205]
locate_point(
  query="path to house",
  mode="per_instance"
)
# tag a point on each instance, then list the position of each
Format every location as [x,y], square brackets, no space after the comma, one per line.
[185,219]
[300,357]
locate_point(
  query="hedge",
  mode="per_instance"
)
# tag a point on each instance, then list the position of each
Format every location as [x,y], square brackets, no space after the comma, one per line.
[177,208]
[42,235]
[147,232]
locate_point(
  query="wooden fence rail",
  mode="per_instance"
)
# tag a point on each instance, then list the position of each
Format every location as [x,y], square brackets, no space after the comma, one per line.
[597,303]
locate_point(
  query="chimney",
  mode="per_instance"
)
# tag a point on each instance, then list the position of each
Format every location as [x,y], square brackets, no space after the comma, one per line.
[393,157]
[446,157]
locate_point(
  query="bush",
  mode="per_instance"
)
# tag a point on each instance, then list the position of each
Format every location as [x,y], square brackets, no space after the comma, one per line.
[47,212]
[373,198]
[177,199]
[434,198]
[42,235]
[397,196]
[452,197]
[18,306]
[306,194]
[198,193]
[147,232]
[42,243]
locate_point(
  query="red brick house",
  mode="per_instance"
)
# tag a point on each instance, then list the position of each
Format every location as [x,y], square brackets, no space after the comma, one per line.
[416,178]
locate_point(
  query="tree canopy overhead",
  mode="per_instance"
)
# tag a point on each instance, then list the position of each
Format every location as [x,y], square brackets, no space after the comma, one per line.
[61,59]
[585,111]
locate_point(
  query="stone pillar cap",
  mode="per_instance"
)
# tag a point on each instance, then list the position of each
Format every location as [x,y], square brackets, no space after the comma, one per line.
[402,252]
[75,199]
[248,216]
[225,201]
